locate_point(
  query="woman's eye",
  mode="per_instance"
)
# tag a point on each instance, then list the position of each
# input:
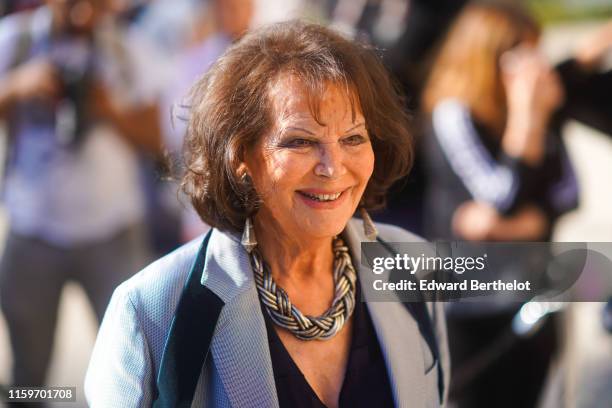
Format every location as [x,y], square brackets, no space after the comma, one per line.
[354,140]
[300,143]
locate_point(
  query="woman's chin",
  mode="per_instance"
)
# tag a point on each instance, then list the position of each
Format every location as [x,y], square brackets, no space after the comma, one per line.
[317,222]
[325,227]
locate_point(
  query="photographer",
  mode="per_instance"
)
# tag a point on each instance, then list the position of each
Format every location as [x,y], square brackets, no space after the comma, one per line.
[72,186]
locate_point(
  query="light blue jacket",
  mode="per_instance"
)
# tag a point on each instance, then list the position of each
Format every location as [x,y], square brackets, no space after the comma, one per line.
[125,361]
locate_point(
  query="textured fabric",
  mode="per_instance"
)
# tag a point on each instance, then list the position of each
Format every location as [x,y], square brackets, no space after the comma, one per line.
[483,176]
[189,338]
[128,350]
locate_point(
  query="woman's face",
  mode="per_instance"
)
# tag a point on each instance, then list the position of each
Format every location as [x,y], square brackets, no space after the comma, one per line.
[310,176]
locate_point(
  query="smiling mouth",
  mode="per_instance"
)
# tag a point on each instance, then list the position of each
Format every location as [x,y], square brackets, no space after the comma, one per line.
[322,197]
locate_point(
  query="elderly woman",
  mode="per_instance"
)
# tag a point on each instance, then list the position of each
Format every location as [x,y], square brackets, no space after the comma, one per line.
[291,132]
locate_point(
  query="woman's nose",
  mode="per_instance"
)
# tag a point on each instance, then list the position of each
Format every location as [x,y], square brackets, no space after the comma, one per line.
[331,161]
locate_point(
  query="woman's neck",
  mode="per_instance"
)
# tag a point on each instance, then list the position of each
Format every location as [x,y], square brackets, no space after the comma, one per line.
[292,257]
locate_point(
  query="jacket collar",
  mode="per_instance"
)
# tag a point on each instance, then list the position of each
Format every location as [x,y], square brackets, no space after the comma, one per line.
[397,332]
[240,345]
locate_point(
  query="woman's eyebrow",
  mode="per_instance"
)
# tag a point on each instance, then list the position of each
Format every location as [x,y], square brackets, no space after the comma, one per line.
[300,129]
[355,127]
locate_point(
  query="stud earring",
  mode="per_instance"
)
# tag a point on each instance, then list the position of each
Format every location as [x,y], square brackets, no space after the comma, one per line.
[248,241]
[369,228]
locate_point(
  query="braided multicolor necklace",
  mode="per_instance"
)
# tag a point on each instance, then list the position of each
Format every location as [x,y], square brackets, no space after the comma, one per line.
[284,314]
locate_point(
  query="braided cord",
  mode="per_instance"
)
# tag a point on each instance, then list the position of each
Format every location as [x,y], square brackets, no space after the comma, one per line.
[284,314]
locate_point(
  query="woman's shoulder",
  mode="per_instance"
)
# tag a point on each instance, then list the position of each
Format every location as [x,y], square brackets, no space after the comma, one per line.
[151,295]
[132,335]
[164,274]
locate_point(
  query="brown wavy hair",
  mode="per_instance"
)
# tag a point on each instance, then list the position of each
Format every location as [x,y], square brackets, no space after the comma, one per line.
[467,65]
[230,110]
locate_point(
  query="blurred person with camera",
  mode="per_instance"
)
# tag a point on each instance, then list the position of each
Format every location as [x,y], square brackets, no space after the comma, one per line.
[497,171]
[77,112]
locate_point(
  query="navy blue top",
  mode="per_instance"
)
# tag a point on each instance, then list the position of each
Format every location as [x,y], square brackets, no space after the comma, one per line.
[366,383]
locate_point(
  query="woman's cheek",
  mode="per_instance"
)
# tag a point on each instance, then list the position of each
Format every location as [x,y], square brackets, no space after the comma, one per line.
[366,165]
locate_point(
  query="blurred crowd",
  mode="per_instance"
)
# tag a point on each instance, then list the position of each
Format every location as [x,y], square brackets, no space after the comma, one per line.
[94,95]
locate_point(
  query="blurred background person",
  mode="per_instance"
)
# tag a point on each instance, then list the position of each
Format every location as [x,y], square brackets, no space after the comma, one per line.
[77,113]
[217,24]
[406,31]
[168,24]
[497,171]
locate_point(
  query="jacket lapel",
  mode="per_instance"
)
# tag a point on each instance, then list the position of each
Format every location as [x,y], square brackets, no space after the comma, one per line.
[397,332]
[398,336]
[240,345]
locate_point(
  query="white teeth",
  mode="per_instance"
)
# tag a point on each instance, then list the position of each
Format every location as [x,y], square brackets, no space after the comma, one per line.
[324,197]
